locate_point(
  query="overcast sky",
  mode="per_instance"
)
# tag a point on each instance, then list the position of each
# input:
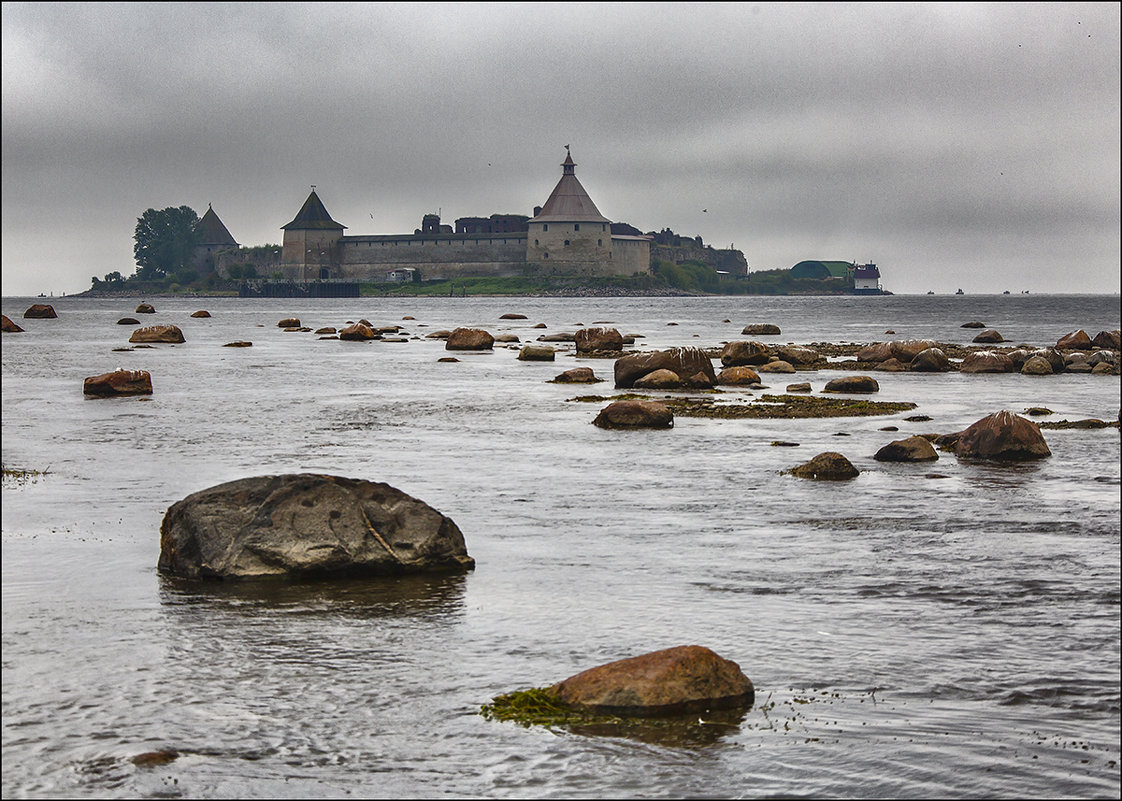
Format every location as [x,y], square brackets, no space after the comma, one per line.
[959,145]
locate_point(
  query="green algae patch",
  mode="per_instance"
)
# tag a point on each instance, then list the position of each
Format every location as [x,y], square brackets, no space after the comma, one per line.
[538,707]
[766,407]
[770,407]
[1065,425]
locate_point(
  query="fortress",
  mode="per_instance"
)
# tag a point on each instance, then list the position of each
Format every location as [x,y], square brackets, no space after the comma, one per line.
[566,236]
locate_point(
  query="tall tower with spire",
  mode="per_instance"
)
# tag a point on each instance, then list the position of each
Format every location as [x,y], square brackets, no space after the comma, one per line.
[569,234]
[311,242]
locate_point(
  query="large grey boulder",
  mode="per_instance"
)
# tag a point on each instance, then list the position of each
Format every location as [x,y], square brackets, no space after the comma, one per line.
[306,525]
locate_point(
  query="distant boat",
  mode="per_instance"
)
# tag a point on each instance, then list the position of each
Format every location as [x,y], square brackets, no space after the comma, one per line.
[929,292]
[959,292]
[1006,292]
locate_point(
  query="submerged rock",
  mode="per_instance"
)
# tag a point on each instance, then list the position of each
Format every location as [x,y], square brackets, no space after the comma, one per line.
[307,525]
[201,313]
[9,327]
[536,353]
[852,383]
[1002,436]
[761,329]
[167,334]
[289,322]
[469,339]
[912,449]
[828,466]
[40,311]
[681,679]
[119,382]
[358,332]
[634,414]
[145,308]
[578,375]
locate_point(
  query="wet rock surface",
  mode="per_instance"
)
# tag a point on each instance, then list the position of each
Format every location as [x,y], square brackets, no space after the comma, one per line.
[307,526]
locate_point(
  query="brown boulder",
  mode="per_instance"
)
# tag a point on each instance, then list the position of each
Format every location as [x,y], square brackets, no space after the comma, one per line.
[688,678]
[1002,436]
[852,383]
[201,313]
[9,327]
[686,362]
[1112,340]
[358,332]
[1036,365]
[578,375]
[912,449]
[829,466]
[1054,357]
[469,339]
[1103,368]
[241,343]
[931,360]
[438,335]
[598,340]
[798,355]
[289,322]
[737,354]
[892,366]
[776,366]
[326,331]
[659,379]
[40,311]
[512,316]
[738,376]
[974,324]
[761,329]
[536,353]
[145,308]
[119,382]
[634,414]
[803,387]
[876,352]
[128,321]
[907,349]
[1076,340]
[989,337]
[986,361]
[168,334]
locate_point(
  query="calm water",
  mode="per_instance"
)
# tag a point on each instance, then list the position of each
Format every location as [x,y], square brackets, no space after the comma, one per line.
[937,630]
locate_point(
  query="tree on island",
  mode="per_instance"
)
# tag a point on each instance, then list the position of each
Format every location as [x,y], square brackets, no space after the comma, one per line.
[165,242]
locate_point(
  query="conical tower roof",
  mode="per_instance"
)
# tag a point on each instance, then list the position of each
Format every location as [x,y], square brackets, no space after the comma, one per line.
[210,230]
[569,202]
[312,216]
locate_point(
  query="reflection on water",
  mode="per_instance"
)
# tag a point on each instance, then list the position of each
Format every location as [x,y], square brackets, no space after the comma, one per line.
[431,597]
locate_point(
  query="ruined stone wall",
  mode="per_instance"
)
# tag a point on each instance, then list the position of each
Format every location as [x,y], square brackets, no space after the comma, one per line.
[731,261]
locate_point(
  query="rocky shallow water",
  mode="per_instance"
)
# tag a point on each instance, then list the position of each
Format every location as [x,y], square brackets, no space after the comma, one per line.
[945,628]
